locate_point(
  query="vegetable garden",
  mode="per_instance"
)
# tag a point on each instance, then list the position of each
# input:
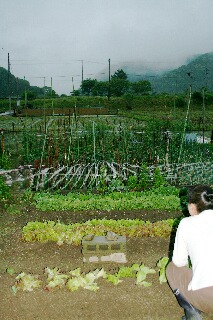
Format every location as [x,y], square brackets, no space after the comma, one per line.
[84,153]
[91,175]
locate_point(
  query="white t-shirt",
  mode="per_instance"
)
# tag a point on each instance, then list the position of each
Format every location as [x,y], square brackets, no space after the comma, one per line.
[194,238]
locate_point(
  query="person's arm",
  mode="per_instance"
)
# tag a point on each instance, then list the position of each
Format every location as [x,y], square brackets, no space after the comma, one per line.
[180,252]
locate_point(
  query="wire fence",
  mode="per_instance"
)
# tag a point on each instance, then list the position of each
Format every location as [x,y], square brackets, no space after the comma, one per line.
[89,176]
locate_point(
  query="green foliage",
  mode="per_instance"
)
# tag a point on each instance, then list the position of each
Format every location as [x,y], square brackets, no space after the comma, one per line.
[139,272]
[158,179]
[119,74]
[87,86]
[31,146]
[162,264]
[74,233]
[10,270]
[141,87]
[26,282]
[144,177]
[163,191]
[30,95]
[119,87]
[197,97]
[5,193]
[112,201]
[13,209]
[5,162]
[130,139]
[183,201]
[194,73]
[180,102]
[132,182]
[116,185]
[100,88]
[141,275]
[140,181]
[76,279]
[129,100]
[6,90]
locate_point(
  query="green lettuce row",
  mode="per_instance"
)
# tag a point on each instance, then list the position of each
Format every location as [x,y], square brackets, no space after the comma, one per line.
[73,233]
[114,201]
[75,279]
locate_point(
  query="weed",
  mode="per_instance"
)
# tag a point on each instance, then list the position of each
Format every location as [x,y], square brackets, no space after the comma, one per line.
[5,193]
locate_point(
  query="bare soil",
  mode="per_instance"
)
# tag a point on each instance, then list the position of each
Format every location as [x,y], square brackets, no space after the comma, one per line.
[126,301]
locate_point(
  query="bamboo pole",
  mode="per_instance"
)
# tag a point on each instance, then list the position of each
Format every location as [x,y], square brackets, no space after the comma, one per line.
[186,120]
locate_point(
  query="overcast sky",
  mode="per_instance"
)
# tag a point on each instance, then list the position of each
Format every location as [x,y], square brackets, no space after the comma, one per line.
[50,38]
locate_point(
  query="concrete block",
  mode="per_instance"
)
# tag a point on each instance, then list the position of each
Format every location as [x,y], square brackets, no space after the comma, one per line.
[100,249]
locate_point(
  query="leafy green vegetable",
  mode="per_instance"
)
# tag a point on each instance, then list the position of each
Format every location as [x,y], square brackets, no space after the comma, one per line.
[26,282]
[162,263]
[75,279]
[10,270]
[73,233]
[114,278]
[87,281]
[75,272]
[74,283]
[126,272]
[55,278]
[159,198]
[142,273]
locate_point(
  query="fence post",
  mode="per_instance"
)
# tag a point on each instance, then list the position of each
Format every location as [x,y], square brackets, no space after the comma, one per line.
[2,141]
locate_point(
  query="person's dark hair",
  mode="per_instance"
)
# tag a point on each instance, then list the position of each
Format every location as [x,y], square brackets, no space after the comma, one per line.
[201,196]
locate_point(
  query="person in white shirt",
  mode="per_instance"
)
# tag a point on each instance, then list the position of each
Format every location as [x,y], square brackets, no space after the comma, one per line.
[190,273]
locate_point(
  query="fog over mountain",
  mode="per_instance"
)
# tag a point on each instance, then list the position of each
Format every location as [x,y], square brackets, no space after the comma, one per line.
[52,39]
[197,71]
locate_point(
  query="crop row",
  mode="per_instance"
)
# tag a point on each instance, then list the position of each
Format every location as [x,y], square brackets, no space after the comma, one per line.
[84,142]
[75,279]
[74,233]
[163,198]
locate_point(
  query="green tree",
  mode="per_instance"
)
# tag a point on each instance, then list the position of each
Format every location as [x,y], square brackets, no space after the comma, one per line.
[76,93]
[129,99]
[38,91]
[197,97]
[180,102]
[118,87]
[141,87]
[87,86]
[101,88]
[30,95]
[119,74]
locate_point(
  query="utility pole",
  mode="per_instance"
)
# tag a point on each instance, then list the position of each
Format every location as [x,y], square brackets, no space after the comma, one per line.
[73,86]
[109,81]
[9,81]
[25,94]
[51,87]
[203,115]
[82,74]
[44,92]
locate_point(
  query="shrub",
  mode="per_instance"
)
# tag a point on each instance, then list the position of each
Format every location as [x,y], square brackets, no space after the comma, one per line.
[4,190]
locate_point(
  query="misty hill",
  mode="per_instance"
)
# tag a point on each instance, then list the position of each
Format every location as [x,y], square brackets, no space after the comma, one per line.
[10,85]
[197,73]
[135,70]
[13,86]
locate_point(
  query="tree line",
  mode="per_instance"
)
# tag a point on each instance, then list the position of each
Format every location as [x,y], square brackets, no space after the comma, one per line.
[117,86]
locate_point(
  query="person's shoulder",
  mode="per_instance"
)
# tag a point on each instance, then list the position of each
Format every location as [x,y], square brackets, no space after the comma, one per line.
[185,221]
